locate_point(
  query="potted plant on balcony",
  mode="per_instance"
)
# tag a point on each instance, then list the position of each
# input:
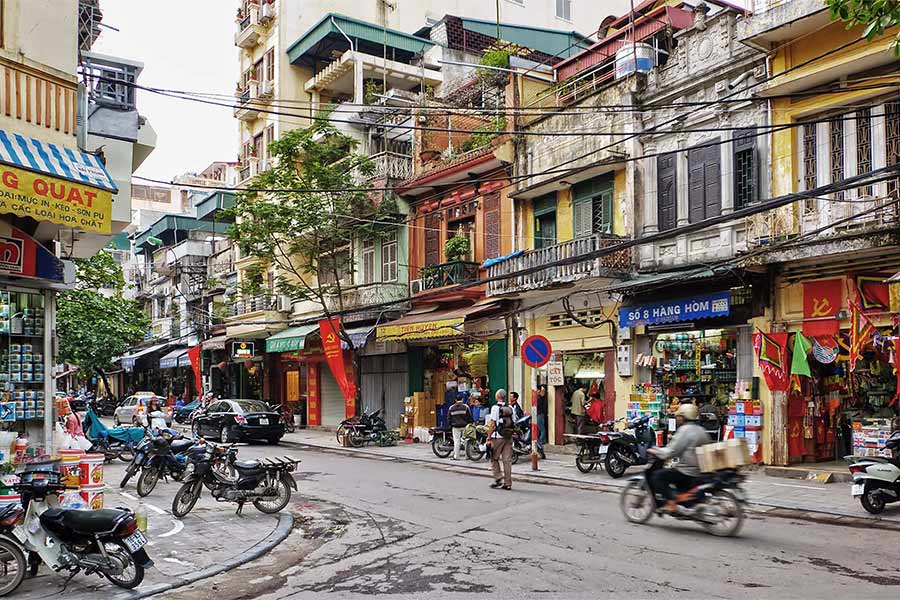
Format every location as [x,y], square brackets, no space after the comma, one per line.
[457,248]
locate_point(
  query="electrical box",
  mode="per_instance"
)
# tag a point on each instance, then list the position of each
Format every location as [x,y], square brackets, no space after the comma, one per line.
[624,359]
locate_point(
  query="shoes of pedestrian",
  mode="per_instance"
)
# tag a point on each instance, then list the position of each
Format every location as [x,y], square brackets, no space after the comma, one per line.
[507,487]
[497,484]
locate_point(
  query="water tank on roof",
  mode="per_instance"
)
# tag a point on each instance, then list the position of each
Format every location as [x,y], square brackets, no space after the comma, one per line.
[634,57]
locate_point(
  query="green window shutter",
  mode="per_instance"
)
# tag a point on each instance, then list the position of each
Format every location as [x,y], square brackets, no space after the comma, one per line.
[583,217]
[602,207]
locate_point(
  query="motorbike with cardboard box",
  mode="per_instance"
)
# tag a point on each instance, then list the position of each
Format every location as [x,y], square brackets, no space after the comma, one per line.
[714,499]
[876,479]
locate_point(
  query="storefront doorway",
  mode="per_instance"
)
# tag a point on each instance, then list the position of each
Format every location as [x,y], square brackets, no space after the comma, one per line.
[384,385]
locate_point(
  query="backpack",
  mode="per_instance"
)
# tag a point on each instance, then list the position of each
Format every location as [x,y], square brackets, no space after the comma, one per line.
[506,425]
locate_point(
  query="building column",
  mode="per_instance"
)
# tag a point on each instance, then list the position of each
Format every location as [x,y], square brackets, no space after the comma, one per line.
[649,169]
[358,92]
[681,177]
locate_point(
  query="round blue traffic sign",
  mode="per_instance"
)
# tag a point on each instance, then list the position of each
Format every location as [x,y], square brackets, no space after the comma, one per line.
[536,351]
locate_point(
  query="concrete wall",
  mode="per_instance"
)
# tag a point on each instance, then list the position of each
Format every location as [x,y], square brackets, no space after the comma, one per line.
[43,32]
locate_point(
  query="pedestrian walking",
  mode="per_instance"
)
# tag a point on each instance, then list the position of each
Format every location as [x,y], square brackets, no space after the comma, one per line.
[501,429]
[542,413]
[578,408]
[459,416]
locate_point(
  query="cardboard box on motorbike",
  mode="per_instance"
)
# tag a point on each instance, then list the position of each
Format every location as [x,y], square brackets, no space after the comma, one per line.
[730,454]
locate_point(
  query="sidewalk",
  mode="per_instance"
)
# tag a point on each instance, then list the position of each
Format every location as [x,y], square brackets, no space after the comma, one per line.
[208,541]
[822,501]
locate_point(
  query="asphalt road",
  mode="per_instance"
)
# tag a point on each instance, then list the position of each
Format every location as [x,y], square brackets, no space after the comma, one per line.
[386,527]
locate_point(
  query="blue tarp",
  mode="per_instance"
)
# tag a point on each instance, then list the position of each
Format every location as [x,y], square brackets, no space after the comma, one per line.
[494,261]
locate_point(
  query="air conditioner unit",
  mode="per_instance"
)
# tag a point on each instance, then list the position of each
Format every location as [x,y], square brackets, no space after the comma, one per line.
[415,286]
[285,304]
[266,88]
[264,165]
[266,13]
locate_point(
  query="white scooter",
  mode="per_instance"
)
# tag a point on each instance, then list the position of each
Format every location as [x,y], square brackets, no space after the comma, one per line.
[876,480]
[104,542]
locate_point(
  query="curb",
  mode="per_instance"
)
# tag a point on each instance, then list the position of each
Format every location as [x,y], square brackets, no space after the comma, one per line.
[760,506]
[278,535]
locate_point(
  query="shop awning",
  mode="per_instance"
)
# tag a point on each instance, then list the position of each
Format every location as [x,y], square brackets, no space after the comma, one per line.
[170,360]
[429,323]
[290,339]
[56,183]
[184,360]
[129,359]
[215,343]
[358,335]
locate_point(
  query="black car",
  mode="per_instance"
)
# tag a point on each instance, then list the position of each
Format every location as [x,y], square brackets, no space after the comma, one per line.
[239,420]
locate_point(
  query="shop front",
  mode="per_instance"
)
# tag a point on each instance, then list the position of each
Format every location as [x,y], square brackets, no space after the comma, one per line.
[840,362]
[214,365]
[245,370]
[287,349]
[142,372]
[174,377]
[695,349]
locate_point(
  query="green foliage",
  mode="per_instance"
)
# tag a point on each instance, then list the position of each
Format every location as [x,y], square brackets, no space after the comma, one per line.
[484,135]
[496,58]
[457,247]
[876,15]
[94,328]
[309,229]
[371,90]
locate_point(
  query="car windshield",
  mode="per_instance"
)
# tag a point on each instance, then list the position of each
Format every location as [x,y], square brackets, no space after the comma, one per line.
[253,406]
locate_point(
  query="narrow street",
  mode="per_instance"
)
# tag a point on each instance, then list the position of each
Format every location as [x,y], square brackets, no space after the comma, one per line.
[387,527]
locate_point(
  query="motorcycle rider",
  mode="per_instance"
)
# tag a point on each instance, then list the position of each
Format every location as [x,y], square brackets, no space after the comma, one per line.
[682,446]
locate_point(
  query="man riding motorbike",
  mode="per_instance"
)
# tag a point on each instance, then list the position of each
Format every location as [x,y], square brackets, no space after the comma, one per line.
[682,446]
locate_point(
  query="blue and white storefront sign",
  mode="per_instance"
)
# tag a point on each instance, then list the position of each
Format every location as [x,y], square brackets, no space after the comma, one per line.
[707,306]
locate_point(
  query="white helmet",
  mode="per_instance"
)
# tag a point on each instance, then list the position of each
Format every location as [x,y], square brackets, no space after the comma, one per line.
[688,411]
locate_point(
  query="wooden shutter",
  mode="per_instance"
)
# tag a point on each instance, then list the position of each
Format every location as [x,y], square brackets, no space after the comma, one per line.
[583,217]
[602,208]
[432,239]
[491,225]
[712,182]
[667,192]
[696,201]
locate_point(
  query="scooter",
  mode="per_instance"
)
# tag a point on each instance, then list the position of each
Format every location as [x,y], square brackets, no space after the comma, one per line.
[628,450]
[361,430]
[441,441]
[522,440]
[104,542]
[475,435]
[715,500]
[593,447]
[876,480]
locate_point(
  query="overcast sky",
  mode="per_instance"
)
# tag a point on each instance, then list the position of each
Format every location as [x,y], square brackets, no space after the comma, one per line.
[184,45]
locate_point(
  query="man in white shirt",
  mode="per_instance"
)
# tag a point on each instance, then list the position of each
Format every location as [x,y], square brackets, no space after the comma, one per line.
[500,431]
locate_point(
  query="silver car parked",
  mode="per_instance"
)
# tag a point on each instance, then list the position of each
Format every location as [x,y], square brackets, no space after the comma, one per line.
[133,410]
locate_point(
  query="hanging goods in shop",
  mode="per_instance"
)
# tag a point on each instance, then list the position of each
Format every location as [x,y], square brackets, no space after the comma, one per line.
[861,331]
[825,350]
[771,350]
[873,293]
[799,363]
[821,302]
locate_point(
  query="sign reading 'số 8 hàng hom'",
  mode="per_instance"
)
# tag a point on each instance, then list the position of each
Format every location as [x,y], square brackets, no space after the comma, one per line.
[707,306]
[46,198]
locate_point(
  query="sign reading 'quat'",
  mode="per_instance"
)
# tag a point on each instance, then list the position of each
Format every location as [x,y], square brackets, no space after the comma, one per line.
[706,306]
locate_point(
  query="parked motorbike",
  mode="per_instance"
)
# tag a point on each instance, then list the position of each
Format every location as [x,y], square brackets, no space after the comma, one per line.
[441,441]
[715,500]
[165,457]
[522,440]
[361,430]
[629,449]
[592,448]
[267,484]
[876,480]
[287,418]
[105,542]
[118,442]
[475,436]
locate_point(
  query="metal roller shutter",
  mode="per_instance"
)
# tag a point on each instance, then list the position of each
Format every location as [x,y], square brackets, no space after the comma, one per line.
[332,400]
[384,383]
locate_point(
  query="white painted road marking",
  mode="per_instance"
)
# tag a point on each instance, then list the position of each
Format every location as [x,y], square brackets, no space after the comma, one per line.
[176,529]
[155,509]
[804,487]
[127,495]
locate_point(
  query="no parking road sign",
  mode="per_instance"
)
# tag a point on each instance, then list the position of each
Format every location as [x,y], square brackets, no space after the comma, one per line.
[536,351]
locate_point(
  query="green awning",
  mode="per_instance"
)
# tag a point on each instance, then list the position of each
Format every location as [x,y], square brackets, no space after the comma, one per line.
[209,208]
[119,241]
[168,226]
[290,339]
[332,32]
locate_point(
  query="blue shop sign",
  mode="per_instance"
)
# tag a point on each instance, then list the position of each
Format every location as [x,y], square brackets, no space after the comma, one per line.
[706,306]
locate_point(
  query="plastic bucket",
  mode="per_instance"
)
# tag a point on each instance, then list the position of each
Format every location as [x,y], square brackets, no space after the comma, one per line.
[93,496]
[70,466]
[91,470]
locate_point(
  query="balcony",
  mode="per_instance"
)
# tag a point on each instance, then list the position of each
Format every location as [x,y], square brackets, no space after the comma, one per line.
[369,294]
[250,100]
[456,272]
[221,264]
[188,252]
[777,21]
[392,166]
[258,304]
[252,23]
[609,265]
[165,328]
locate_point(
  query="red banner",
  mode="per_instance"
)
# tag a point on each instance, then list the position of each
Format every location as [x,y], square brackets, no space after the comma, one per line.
[771,348]
[313,407]
[194,357]
[821,301]
[334,354]
[872,292]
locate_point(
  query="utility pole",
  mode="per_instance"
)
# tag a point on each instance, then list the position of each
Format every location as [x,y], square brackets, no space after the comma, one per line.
[498,20]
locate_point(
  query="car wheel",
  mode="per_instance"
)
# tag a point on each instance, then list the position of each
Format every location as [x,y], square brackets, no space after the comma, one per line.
[274,441]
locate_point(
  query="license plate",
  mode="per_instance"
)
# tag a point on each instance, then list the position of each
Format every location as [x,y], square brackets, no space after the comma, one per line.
[136,541]
[263,421]
[858,489]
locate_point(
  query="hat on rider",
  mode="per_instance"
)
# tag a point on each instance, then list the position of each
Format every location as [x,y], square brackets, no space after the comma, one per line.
[688,412]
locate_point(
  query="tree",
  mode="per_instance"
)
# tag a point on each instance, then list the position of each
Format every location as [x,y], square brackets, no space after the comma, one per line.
[95,327]
[305,231]
[876,15]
